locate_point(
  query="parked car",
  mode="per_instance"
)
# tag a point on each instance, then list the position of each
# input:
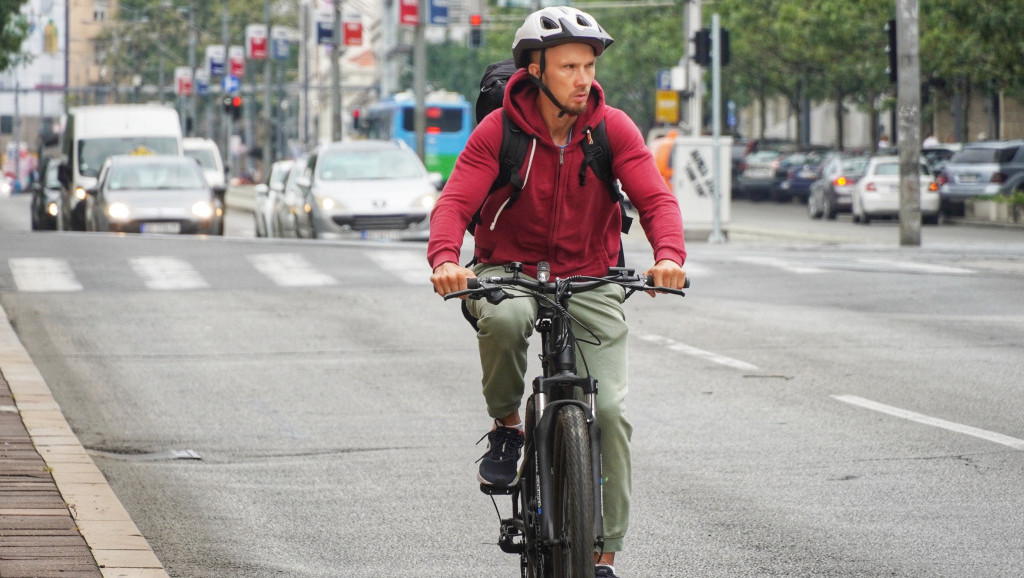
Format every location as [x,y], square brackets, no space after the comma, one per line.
[794,174]
[831,193]
[152,194]
[290,211]
[938,156]
[46,196]
[372,188]
[758,176]
[982,168]
[877,193]
[266,193]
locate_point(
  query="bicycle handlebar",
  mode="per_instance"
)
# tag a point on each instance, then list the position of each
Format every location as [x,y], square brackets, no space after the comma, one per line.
[627,278]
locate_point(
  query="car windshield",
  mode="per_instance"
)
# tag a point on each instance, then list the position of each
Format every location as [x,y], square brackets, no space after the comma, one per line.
[893,169]
[369,165]
[155,176]
[93,152]
[854,165]
[983,155]
[204,156]
[51,180]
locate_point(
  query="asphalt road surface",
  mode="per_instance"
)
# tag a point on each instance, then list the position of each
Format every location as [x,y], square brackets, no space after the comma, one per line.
[822,403]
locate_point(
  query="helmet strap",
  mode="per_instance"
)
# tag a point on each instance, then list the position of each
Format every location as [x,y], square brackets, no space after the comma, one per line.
[543,87]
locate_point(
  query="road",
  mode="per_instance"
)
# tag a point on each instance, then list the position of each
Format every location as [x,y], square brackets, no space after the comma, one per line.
[822,403]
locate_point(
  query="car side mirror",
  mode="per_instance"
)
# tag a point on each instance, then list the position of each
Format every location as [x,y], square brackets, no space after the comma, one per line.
[262,190]
[304,182]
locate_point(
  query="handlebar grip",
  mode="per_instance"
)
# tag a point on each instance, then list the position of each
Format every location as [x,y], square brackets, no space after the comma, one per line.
[472,283]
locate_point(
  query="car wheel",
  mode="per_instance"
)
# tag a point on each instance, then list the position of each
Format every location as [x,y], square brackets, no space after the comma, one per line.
[812,208]
[828,210]
[930,219]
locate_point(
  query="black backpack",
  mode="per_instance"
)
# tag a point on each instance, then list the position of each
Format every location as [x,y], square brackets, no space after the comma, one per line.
[597,152]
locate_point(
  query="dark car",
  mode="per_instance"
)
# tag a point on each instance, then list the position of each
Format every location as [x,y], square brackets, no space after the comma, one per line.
[153,194]
[982,168]
[46,197]
[794,174]
[832,192]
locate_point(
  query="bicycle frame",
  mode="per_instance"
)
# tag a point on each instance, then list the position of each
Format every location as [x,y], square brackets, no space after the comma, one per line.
[553,390]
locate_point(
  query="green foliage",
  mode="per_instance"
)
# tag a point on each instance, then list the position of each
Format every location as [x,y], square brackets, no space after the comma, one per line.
[13,31]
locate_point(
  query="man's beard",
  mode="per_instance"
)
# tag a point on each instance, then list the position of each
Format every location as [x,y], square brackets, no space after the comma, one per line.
[576,110]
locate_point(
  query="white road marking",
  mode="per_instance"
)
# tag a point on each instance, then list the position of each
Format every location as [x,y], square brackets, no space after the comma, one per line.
[43,275]
[290,270]
[917,267]
[409,266]
[998,438]
[698,353]
[167,273]
[780,264]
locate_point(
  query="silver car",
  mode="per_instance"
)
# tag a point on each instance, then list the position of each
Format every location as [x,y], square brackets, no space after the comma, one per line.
[153,194]
[370,189]
[983,168]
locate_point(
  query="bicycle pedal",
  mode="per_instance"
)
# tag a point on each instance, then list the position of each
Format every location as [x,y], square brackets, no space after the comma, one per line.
[496,491]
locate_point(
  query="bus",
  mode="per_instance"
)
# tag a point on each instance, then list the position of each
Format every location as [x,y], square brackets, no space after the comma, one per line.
[449,123]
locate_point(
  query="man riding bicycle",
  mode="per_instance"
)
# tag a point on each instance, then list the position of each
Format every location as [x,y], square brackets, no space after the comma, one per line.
[566,220]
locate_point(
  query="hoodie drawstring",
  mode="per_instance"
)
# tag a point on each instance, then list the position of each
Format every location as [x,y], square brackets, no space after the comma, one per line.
[529,165]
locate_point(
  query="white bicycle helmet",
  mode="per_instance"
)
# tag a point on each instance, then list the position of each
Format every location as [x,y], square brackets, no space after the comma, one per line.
[557,25]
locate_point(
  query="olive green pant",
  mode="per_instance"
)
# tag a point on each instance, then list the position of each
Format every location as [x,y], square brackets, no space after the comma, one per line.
[504,331]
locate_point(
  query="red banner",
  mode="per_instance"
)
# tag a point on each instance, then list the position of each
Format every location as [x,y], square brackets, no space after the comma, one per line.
[353,34]
[409,12]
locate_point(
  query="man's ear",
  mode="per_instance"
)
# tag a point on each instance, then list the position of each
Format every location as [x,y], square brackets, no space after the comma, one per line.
[534,69]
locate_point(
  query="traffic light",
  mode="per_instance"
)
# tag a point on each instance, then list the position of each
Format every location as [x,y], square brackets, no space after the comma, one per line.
[890,50]
[236,107]
[226,104]
[702,47]
[476,33]
[355,119]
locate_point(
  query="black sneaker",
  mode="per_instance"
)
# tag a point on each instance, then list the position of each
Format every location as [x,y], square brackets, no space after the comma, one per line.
[499,467]
[602,571]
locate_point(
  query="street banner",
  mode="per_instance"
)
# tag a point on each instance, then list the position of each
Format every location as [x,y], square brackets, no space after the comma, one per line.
[280,42]
[353,33]
[215,59]
[256,42]
[409,12]
[439,12]
[183,81]
[324,32]
[236,59]
[202,81]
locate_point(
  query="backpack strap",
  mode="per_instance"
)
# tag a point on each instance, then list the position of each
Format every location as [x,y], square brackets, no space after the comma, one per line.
[597,154]
[514,144]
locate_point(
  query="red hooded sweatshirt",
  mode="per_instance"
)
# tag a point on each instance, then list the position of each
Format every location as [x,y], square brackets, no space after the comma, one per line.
[574,228]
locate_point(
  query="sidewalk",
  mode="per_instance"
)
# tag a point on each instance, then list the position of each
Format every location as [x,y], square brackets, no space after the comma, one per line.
[58,515]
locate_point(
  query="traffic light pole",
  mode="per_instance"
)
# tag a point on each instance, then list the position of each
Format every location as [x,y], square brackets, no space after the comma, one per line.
[908,100]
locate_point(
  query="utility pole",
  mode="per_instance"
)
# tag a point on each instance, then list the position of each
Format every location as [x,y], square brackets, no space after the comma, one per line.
[193,106]
[908,102]
[694,73]
[336,53]
[268,117]
[716,235]
[420,78]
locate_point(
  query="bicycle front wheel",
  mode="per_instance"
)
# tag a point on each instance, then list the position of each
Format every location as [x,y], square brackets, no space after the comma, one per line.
[573,501]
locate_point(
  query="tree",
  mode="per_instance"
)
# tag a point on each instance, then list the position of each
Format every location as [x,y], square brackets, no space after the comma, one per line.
[13,31]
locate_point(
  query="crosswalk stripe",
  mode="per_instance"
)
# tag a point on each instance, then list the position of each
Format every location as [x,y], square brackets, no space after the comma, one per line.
[33,275]
[166,273]
[290,270]
[409,266]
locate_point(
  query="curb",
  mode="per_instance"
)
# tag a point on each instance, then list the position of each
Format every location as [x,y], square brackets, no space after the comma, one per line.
[118,547]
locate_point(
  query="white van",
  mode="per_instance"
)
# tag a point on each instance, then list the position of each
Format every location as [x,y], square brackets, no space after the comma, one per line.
[206,153]
[93,133]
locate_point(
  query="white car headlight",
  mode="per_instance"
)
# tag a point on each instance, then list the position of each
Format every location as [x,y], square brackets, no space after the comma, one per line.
[202,209]
[326,203]
[427,201]
[118,211]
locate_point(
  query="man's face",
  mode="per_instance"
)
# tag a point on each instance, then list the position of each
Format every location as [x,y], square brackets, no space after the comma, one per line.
[568,73]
